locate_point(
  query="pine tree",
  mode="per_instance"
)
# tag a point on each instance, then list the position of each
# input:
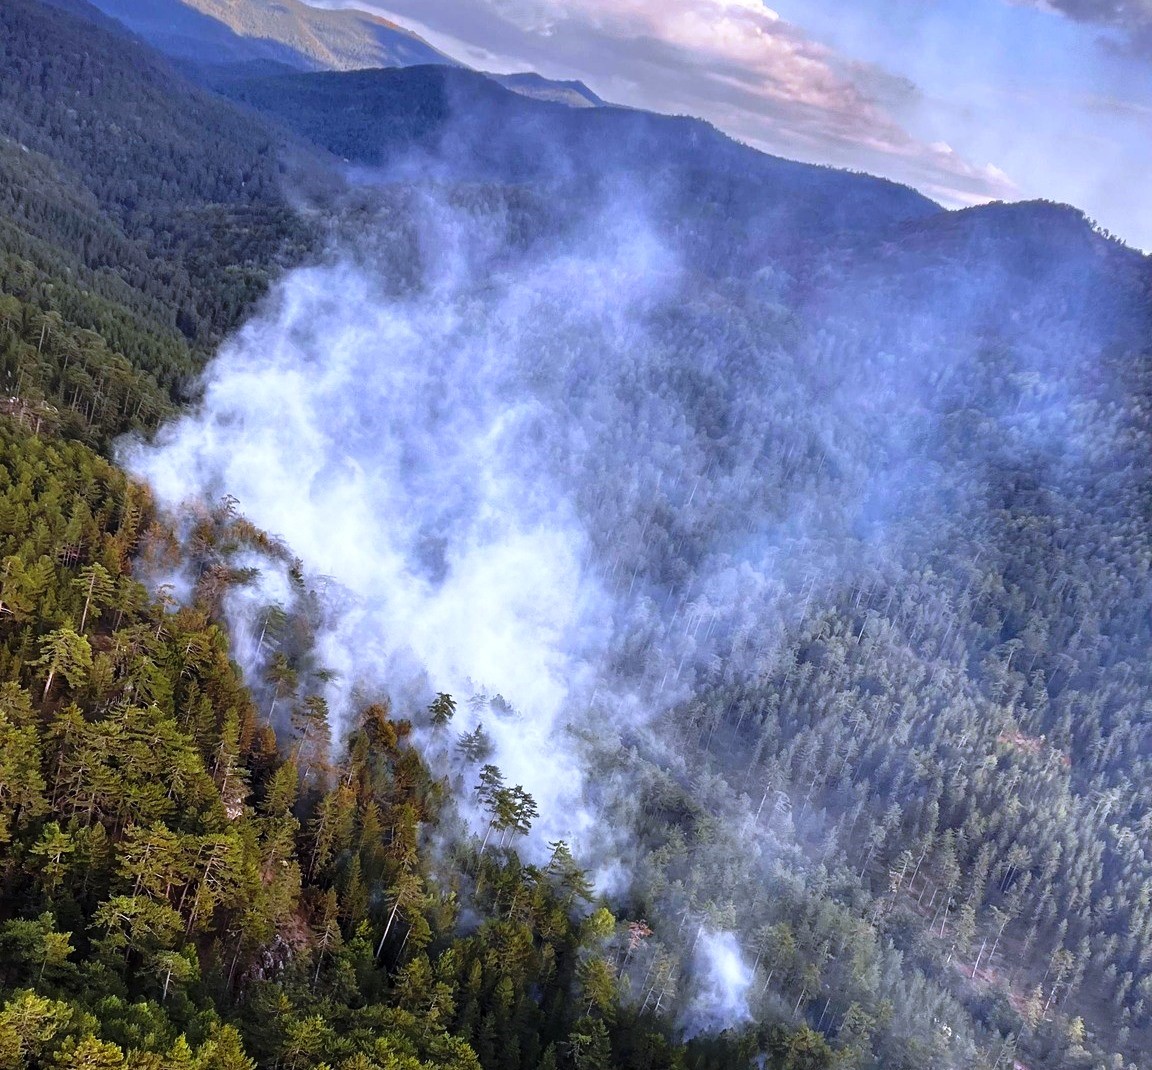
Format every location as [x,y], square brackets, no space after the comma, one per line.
[98,588]
[442,710]
[64,653]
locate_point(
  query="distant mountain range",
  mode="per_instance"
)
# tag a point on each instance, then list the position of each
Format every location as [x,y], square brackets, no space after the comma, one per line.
[227,35]
[530,84]
[215,32]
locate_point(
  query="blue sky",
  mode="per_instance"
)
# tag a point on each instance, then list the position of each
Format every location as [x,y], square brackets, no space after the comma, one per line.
[1063,107]
[968,100]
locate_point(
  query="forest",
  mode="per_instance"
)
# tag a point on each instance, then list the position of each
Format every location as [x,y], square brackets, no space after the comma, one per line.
[853,490]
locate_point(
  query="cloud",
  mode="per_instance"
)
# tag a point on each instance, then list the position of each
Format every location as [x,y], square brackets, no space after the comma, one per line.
[1132,17]
[1130,14]
[735,63]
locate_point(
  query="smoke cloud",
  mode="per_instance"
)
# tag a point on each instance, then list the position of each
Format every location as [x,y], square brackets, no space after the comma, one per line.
[501,476]
[393,445]
[535,461]
[725,979]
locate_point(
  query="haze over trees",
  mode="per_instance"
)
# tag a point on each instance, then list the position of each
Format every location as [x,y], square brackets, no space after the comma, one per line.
[859,486]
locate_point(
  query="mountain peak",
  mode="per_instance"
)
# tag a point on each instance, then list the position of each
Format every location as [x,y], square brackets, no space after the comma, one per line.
[530,84]
[263,35]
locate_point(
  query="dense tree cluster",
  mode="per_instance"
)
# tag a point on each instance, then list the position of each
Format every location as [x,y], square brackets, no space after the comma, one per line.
[882,562]
[64,379]
[122,181]
[184,889]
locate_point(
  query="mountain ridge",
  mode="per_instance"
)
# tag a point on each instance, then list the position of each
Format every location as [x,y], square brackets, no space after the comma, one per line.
[404,119]
[287,31]
[530,84]
[221,34]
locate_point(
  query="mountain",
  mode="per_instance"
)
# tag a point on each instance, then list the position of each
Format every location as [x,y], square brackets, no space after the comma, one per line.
[453,122]
[132,202]
[857,481]
[530,84]
[808,598]
[218,32]
[613,597]
[222,37]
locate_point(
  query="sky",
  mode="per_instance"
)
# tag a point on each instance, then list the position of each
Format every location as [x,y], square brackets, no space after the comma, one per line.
[968,100]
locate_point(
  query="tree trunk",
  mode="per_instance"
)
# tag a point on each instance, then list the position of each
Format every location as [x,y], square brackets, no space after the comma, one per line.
[388,927]
[976,967]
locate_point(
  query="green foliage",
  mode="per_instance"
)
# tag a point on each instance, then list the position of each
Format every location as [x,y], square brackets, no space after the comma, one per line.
[139,218]
[953,763]
[115,161]
[181,892]
[442,709]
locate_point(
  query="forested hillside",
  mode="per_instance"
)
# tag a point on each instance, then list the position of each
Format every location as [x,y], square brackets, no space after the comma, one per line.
[181,888]
[182,885]
[869,532]
[816,514]
[822,458]
[218,32]
[133,204]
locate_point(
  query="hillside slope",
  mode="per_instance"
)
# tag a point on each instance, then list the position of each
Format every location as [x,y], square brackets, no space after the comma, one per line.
[853,492]
[857,493]
[300,35]
[132,203]
[457,125]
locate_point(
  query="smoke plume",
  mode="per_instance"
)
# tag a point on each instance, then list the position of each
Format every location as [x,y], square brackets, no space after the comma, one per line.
[533,460]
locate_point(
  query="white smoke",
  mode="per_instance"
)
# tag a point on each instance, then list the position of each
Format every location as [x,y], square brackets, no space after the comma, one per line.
[392,444]
[584,492]
[723,984]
